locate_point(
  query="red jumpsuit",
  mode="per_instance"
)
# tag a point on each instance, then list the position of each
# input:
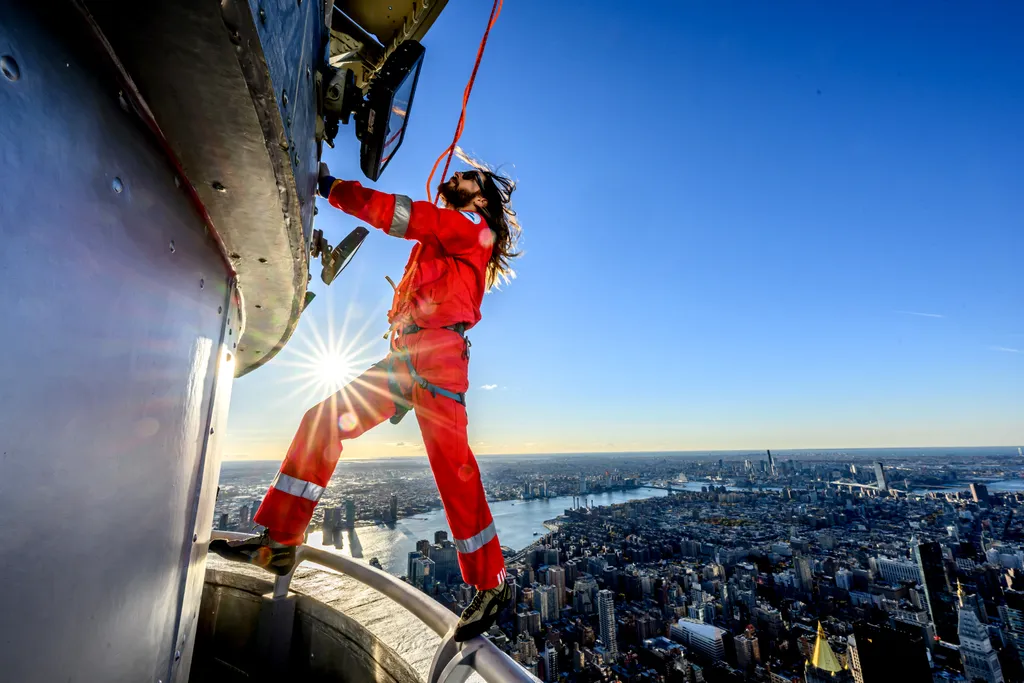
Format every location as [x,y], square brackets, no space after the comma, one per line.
[444,285]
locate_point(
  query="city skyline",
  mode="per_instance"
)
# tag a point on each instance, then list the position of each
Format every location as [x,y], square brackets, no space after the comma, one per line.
[839,270]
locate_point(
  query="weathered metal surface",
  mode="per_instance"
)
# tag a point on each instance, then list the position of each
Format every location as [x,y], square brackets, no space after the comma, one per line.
[115,301]
[325,644]
[220,98]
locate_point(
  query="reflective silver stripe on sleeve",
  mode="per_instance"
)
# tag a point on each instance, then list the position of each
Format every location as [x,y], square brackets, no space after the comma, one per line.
[474,543]
[296,487]
[400,221]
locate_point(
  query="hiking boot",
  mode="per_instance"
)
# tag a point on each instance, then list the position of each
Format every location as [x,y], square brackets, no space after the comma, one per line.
[258,550]
[482,612]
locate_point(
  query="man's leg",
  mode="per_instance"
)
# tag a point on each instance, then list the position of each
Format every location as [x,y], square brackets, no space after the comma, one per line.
[443,424]
[307,468]
[288,506]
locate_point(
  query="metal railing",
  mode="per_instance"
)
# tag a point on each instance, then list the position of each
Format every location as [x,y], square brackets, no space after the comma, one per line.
[453,662]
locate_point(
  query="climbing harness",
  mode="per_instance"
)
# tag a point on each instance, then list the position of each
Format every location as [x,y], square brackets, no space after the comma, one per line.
[402,404]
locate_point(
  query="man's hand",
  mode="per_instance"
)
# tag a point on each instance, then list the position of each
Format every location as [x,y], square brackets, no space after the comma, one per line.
[324,181]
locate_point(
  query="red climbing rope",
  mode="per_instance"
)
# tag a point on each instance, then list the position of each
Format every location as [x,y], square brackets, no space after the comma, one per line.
[450,151]
[402,291]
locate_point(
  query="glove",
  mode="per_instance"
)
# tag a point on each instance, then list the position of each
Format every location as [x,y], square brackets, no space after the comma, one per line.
[324,181]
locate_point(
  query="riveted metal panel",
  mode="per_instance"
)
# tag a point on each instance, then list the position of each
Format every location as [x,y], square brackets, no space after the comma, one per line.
[114,302]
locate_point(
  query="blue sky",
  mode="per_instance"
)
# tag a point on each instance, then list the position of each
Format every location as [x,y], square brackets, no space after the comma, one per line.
[747,225]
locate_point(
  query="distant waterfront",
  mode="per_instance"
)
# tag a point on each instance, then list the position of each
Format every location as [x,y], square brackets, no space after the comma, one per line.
[516,520]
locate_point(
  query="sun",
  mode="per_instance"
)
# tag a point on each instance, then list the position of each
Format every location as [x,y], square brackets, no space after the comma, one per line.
[321,362]
[335,369]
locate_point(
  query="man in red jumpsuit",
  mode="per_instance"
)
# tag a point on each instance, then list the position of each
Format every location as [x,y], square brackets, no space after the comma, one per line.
[462,250]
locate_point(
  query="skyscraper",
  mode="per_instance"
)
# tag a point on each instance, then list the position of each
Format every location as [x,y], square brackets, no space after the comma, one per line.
[550,658]
[771,464]
[748,650]
[394,507]
[583,592]
[422,573]
[545,602]
[223,525]
[941,604]
[880,477]
[440,536]
[979,492]
[423,546]
[980,660]
[413,556]
[853,658]
[804,574]
[606,610]
[1012,616]
[879,654]
[350,514]
[824,666]
[446,562]
[556,578]
[583,483]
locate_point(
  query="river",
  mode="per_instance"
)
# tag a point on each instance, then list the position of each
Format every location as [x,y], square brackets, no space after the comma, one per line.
[516,520]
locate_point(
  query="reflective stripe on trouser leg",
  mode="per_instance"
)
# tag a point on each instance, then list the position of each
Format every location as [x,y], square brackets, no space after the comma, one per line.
[315,449]
[443,425]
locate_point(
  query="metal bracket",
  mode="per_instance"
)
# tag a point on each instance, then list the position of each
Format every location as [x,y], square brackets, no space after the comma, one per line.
[442,655]
[453,662]
[460,667]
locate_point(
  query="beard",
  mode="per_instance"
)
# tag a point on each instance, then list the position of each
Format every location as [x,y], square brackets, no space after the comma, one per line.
[454,197]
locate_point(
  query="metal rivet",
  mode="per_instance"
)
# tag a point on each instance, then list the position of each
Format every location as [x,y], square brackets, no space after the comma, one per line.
[229,332]
[220,309]
[122,101]
[315,211]
[234,255]
[177,655]
[288,121]
[9,67]
[202,283]
[258,306]
[211,430]
[216,184]
[284,98]
[172,246]
[263,17]
[117,185]
[177,181]
[309,74]
[195,537]
[262,260]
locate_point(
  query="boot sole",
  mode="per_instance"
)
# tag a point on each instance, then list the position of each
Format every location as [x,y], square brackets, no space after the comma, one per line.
[477,628]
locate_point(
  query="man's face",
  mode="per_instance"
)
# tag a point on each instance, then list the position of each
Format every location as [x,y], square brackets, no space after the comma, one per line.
[461,189]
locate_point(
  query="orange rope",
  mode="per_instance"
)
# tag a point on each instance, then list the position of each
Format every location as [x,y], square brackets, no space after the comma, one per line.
[402,296]
[450,151]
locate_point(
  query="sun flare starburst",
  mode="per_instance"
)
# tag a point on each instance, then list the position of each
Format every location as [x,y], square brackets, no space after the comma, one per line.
[324,363]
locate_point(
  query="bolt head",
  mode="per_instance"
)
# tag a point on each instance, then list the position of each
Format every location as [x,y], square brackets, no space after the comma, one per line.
[117,185]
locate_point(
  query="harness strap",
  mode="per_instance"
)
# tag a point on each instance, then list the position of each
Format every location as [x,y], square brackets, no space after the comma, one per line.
[402,405]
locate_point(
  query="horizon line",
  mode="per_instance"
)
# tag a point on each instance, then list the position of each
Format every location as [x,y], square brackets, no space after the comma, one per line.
[653,452]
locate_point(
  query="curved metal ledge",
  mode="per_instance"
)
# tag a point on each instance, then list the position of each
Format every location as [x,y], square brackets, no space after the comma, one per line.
[453,662]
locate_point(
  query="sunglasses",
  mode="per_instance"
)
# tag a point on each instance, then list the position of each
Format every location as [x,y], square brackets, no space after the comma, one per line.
[476,176]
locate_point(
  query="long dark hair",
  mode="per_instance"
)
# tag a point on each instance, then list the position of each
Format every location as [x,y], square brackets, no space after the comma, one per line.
[501,218]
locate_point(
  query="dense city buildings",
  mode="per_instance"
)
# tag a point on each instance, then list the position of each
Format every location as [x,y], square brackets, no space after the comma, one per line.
[734,573]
